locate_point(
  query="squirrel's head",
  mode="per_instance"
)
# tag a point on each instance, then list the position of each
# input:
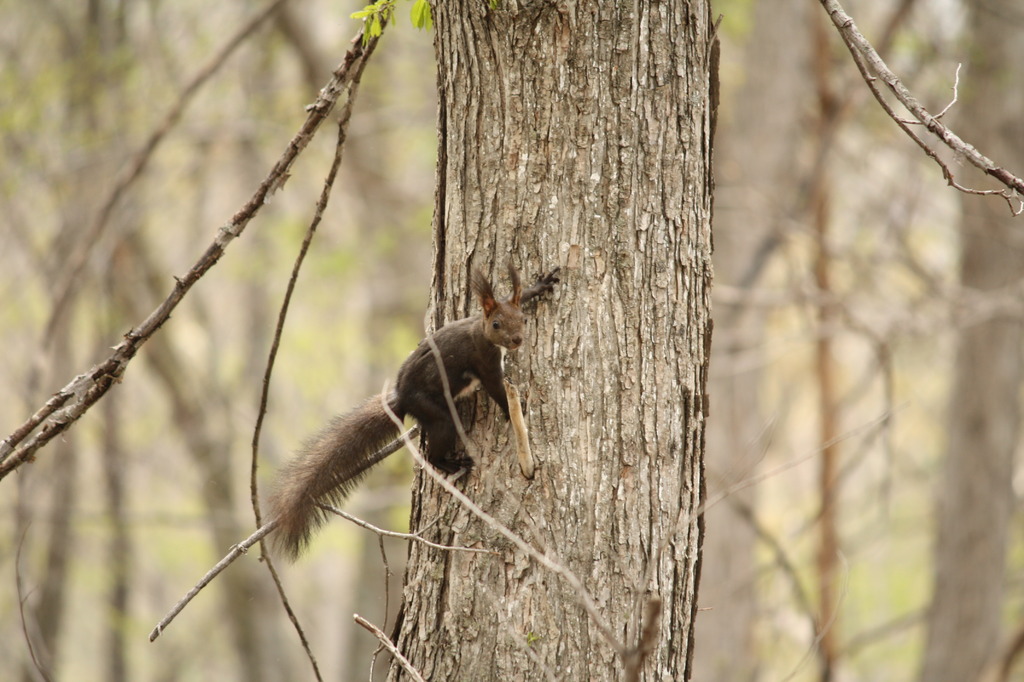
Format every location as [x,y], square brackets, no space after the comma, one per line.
[503,321]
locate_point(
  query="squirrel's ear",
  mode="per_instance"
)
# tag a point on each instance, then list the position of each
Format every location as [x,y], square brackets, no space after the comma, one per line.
[517,285]
[484,291]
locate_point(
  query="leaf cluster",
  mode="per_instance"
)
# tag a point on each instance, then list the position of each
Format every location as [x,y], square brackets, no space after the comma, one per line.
[377,14]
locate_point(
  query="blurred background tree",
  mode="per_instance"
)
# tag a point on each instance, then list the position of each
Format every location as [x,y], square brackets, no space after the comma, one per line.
[140,495]
[849,436]
[864,310]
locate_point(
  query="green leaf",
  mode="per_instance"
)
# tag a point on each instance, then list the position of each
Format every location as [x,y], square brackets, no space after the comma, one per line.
[421,16]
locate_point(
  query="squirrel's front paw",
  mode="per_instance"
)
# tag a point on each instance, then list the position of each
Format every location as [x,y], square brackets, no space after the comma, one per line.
[452,463]
[549,280]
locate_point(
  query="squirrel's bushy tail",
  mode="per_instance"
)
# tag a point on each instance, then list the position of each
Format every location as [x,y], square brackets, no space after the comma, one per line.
[326,470]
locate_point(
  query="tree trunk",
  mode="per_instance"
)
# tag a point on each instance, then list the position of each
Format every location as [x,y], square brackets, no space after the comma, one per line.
[576,135]
[825,369]
[975,498]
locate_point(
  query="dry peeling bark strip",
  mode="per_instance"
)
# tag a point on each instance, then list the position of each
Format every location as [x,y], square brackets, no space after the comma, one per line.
[75,399]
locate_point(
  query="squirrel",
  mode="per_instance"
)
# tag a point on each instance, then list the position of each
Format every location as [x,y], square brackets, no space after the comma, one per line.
[331,463]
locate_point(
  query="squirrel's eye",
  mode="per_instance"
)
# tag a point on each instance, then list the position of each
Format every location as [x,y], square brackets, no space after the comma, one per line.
[496,324]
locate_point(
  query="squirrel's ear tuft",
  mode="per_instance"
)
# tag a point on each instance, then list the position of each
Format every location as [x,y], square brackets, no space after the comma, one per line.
[484,291]
[517,285]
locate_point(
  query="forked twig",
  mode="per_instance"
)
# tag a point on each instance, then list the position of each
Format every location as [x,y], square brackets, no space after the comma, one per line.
[387,643]
[868,60]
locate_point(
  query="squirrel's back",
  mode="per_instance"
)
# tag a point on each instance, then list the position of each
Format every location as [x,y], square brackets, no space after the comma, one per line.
[326,470]
[471,352]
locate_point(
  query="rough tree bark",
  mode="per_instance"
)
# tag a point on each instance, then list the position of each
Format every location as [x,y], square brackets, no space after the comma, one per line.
[975,498]
[576,135]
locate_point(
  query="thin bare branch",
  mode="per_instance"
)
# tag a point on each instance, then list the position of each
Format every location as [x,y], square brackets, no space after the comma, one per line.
[343,120]
[403,536]
[402,660]
[387,599]
[867,58]
[236,551]
[347,76]
[321,206]
[825,627]
[40,669]
[292,617]
[71,271]
[872,82]
[541,558]
[243,547]
[82,392]
[956,93]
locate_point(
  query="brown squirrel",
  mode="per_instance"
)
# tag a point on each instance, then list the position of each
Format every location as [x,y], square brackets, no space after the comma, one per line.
[331,463]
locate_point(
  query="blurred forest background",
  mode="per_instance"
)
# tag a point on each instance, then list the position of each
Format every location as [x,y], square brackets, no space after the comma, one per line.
[863,518]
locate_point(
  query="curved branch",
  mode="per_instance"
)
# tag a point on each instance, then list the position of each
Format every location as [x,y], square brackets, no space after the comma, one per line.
[82,392]
[236,551]
[866,56]
[387,644]
[71,271]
